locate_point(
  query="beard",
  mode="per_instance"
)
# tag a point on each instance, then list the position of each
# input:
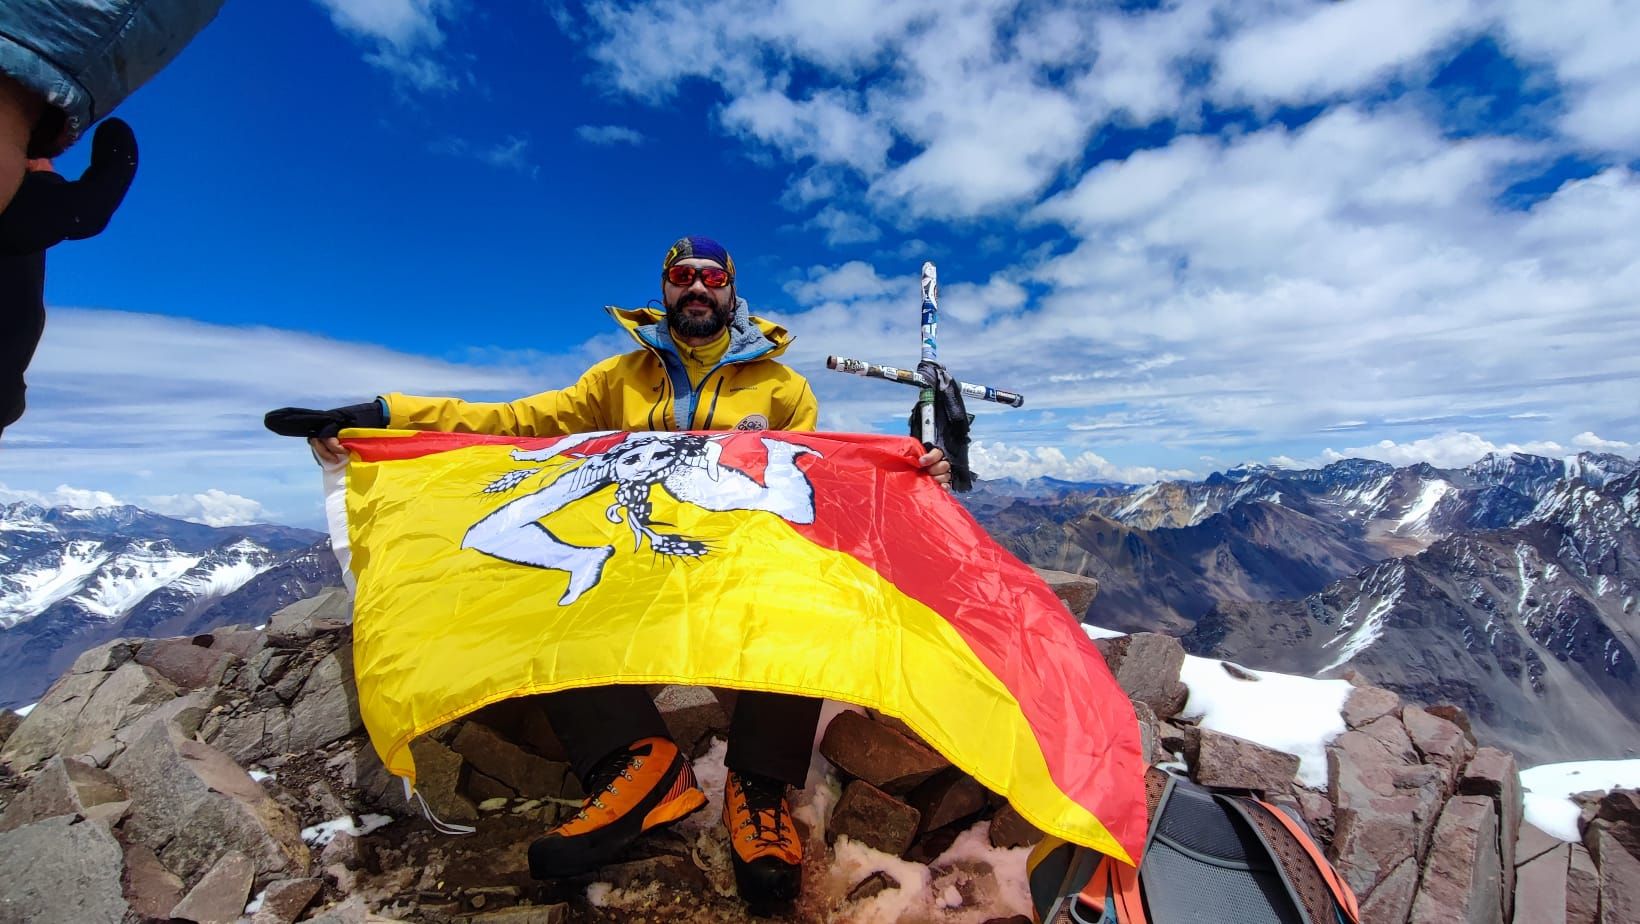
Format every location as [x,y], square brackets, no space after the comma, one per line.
[688,326]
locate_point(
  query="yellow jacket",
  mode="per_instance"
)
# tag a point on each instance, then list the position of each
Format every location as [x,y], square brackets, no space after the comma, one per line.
[646,389]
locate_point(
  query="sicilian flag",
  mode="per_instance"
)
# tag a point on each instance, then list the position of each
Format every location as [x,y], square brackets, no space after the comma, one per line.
[825,565]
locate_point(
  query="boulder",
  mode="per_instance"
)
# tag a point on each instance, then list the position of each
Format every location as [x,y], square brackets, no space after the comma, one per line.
[1368,703]
[1010,829]
[191,803]
[523,721]
[191,664]
[438,779]
[52,721]
[250,735]
[1441,742]
[327,708]
[220,895]
[1456,715]
[874,818]
[106,657]
[1383,809]
[524,773]
[878,754]
[1492,773]
[1392,735]
[1582,888]
[1540,886]
[58,871]
[8,723]
[330,609]
[1391,901]
[284,901]
[1619,879]
[1461,880]
[947,798]
[1618,814]
[151,889]
[1076,591]
[61,787]
[1146,665]
[1225,761]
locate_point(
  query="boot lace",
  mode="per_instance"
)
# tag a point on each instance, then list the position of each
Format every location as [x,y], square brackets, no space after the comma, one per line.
[766,811]
[601,779]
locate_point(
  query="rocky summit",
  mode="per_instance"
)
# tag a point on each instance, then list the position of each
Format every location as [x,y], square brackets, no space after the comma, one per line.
[226,777]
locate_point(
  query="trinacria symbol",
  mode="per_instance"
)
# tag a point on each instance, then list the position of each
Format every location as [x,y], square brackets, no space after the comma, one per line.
[688,467]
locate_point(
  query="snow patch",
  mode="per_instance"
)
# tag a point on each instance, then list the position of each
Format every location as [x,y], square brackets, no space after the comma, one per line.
[1299,715]
[38,589]
[1387,585]
[325,831]
[1416,518]
[25,710]
[1549,789]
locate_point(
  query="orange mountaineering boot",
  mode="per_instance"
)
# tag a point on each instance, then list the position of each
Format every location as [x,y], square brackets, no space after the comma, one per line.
[648,785]
[764,845]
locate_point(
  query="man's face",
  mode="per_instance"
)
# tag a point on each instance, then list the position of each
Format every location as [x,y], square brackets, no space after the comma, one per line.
[695,311]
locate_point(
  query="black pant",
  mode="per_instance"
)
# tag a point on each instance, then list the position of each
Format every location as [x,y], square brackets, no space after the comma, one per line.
[771,734]
[22,321]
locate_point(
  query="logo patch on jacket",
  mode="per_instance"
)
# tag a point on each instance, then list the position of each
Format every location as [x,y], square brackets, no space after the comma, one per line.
[753,422]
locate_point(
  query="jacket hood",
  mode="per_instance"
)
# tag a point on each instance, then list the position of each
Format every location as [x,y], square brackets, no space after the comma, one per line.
[750,337]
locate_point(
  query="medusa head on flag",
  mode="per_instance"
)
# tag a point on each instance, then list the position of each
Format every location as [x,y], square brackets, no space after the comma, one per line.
[690,467]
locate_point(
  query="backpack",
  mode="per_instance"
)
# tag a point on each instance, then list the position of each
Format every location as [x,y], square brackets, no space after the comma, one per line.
[1209,857]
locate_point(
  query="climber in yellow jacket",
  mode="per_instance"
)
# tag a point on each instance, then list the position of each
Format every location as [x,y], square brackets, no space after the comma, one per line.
[703,363]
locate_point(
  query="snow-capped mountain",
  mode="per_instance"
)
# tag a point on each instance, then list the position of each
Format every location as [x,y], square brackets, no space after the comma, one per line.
[1534,628]
[72,578]
[1397,510]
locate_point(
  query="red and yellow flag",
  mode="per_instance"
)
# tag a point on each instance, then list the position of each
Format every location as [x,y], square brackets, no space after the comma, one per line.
[821,564]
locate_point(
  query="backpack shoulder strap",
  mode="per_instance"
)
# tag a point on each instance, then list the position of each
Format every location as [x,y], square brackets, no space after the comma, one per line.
[1310,880]
[1340,889]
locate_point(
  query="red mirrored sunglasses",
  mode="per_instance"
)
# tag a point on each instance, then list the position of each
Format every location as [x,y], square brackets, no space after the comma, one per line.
[683,276]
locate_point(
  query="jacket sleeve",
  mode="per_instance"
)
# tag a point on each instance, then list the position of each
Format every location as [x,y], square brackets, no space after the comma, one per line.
[576,409]
[801,410]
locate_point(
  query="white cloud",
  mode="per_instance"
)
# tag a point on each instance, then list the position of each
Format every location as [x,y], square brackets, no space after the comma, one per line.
[213,507]
[1589,45]
[609,134]
[1587,440]
[994,460]
[844,227]
[1328,49]
[405,37]
[150,407]
[61,496]
[1451,449]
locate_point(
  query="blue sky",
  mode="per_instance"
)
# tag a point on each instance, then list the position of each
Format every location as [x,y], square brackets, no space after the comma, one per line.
[1192,234]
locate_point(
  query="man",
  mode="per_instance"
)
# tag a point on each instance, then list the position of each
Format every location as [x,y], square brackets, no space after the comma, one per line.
[705,364]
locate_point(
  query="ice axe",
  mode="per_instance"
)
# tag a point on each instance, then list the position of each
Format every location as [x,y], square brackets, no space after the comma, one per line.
[939,419]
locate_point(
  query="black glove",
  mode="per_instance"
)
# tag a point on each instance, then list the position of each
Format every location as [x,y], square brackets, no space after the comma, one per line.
[951,423]
[313,424]
[49,209]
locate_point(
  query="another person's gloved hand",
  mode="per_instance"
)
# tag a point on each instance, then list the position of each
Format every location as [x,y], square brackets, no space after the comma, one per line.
[49,209]
[321,427]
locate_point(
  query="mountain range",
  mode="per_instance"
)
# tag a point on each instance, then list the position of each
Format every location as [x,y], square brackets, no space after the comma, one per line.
[71,579]
[1509,586]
